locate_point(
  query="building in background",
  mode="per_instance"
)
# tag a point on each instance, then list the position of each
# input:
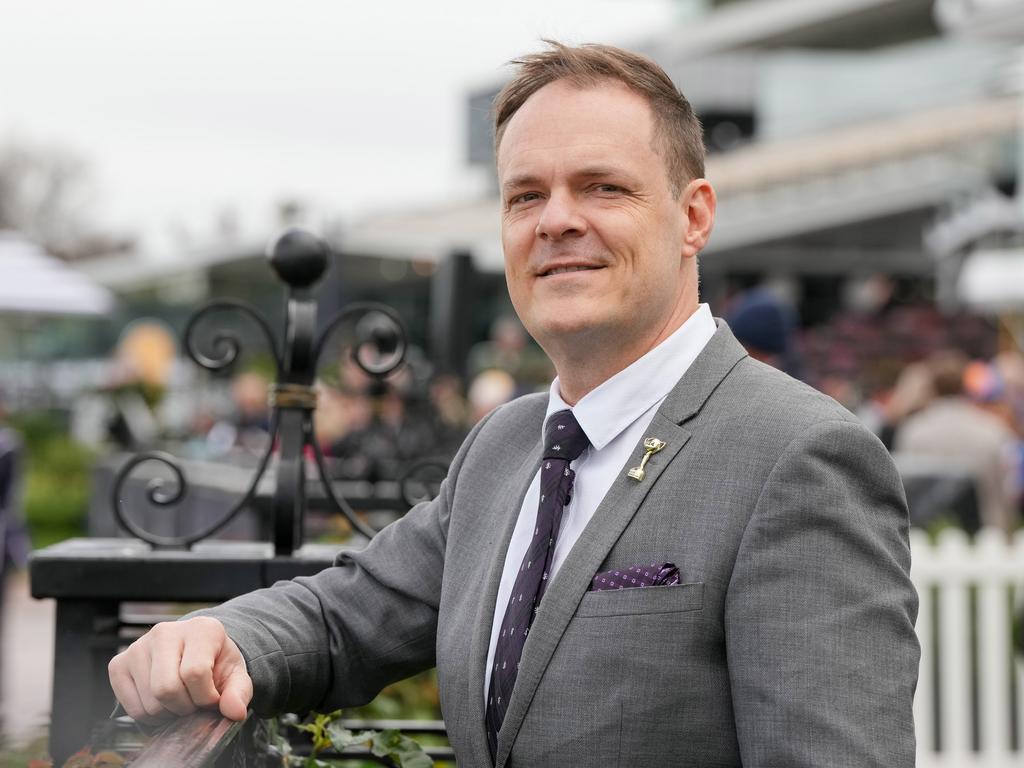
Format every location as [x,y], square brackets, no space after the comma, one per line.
[844,137]
[861,150]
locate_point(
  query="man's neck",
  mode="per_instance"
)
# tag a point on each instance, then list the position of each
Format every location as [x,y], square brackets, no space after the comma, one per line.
[587,363]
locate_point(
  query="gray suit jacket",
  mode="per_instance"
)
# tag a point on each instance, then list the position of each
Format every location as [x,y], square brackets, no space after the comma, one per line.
[789,643]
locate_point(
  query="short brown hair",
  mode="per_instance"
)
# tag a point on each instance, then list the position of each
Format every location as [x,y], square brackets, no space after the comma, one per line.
[947,368]
[678,135]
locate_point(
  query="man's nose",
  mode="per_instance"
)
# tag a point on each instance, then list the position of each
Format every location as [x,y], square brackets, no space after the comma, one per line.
[560,218]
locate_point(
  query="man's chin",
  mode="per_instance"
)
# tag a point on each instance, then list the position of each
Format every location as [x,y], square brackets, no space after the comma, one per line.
[569,327]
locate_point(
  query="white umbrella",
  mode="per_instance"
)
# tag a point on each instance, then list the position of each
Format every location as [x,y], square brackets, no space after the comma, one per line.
[32,282]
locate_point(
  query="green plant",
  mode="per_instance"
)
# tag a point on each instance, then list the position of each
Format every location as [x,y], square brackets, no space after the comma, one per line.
[327,732]
[415,698]
[56,478]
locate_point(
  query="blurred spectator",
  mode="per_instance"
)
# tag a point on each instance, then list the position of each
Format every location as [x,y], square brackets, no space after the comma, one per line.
[15,545]
[119,413]
[248,425]
[870,344]
[252,410]
[765,326]
[450,412]
[399,431]
[123,412]
[951,427]
[245,426]
[913,390]
[14,540]
[339,413]
[1009,365]
[510,349]
[487,391]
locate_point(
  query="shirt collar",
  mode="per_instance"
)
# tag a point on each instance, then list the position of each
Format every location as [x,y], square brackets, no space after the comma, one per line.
[607,410]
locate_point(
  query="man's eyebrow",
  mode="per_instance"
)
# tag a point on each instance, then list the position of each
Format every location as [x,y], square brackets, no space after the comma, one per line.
[603,172]
[589,172]
[520,181]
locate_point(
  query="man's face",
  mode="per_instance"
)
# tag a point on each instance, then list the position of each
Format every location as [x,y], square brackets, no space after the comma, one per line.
[598,250]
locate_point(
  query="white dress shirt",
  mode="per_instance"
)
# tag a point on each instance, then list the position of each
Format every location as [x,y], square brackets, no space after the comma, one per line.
[614,417]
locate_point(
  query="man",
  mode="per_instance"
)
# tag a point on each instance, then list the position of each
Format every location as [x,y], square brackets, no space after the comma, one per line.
[782,630]
[963,436]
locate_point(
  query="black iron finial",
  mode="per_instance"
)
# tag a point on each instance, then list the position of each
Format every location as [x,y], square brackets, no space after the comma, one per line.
[298,257]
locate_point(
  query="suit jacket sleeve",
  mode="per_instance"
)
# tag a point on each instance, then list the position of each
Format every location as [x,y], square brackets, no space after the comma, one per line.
[335,639]
[820,610]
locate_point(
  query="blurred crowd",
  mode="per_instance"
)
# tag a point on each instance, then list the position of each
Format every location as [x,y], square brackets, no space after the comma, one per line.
[368,428]
[944,392]
[941,391]
[374,430]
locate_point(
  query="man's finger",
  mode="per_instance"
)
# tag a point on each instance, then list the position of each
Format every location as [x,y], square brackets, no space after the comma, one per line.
[139,669]
[124,687]
[196,672]
[165,645]
[236,694]
[233,681]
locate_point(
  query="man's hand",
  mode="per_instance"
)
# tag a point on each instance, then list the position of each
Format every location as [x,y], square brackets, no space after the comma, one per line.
[179,667]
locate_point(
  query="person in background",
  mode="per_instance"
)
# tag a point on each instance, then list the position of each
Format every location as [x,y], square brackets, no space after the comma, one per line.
[913,390]
[488,390]
[509,349]
[951,427]
[766,327]
[14,539]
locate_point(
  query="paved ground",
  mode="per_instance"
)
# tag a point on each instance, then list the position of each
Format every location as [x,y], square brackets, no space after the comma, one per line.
[27,663]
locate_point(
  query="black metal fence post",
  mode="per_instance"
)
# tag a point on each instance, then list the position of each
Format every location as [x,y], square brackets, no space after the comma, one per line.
[300,260]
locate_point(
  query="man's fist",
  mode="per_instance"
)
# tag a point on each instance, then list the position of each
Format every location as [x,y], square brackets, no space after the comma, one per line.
[181,666]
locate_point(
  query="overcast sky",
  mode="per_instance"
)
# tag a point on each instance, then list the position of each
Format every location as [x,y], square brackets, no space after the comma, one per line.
[187,108]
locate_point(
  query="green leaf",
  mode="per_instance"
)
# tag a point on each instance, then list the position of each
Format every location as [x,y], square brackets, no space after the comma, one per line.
[365,737]
[341,736]
[400,748]
[419,760]
[380,747]
[326,730]
[318,730]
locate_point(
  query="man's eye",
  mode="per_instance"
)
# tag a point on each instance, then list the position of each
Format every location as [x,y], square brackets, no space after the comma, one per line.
[525,197]
[608,188]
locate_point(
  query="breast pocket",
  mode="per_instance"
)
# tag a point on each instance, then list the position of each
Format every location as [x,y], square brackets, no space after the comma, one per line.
[642,600]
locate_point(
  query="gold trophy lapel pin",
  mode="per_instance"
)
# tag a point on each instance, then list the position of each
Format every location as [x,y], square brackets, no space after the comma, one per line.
[651,445]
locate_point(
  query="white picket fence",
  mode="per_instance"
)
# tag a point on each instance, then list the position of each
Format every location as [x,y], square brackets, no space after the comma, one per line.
[969,708]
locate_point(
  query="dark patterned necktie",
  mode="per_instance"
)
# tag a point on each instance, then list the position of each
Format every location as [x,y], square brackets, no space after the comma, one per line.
[564,441]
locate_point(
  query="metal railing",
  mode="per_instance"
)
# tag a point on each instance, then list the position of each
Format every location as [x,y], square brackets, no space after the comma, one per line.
[208,740]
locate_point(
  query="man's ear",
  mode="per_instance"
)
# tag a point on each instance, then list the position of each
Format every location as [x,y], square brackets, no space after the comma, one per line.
[698,203]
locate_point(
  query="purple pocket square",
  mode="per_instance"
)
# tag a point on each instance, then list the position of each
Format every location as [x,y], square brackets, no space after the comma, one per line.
[652,575]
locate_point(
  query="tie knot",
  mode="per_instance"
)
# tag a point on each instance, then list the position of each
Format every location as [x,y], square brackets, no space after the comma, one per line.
[564,438]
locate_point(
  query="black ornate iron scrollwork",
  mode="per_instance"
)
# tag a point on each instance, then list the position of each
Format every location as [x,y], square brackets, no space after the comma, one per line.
[379,327]
[157,497]
[224,340]
[379,346]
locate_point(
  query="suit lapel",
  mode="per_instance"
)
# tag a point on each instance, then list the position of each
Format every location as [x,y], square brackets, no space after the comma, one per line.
[610,519]
[515,487]
[719,356]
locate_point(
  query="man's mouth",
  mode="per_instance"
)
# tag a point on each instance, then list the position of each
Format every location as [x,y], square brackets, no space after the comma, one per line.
[564,270]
